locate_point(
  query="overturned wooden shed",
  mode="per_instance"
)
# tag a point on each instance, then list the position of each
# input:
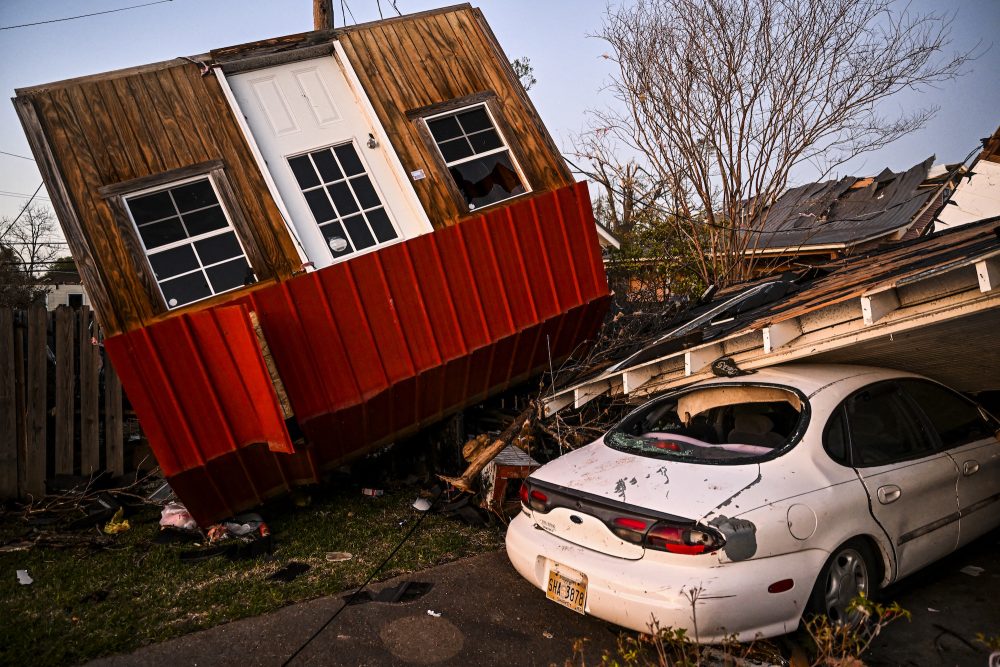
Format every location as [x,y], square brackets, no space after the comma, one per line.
[349,232]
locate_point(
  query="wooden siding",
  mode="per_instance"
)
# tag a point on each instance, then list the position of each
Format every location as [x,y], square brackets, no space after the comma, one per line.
[100,131]
[420,61]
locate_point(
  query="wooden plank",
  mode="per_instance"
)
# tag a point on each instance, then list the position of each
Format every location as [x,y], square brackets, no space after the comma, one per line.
[65,380]
[20,402]
[113,426]
[8,407]
[90,444]
[37,412]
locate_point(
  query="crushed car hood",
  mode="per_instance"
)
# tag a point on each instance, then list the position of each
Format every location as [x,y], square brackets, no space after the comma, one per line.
[682,489]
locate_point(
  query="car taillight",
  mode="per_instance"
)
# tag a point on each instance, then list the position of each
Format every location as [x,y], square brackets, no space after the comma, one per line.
[538,501]
[629,529]
[682,539]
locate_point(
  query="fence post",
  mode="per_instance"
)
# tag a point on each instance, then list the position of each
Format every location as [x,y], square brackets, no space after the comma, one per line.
[113,432]
[65,380]
[90,446]
[8,407]
[34,445]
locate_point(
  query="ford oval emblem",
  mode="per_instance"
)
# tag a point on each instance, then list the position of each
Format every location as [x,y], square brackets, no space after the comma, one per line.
[575,519]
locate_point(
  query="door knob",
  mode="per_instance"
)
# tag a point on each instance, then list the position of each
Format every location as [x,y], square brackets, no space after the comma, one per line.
[970,468]
[889,494]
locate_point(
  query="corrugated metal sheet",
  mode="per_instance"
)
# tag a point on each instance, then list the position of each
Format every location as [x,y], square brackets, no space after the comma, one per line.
[368,350]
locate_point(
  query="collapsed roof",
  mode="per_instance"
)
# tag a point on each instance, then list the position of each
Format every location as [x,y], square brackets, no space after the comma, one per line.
[842,213]
[908,307]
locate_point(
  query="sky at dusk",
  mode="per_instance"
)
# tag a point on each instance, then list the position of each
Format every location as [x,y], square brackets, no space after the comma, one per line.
[553,33]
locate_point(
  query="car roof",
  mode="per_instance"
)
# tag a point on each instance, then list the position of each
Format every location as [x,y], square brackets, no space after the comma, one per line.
[810,378]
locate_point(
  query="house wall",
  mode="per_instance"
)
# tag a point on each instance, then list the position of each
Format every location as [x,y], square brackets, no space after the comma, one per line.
[95,137]
[58,295]
[108,129]
[412,64]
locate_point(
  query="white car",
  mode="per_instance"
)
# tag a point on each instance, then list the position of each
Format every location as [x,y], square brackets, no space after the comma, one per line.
[764,496]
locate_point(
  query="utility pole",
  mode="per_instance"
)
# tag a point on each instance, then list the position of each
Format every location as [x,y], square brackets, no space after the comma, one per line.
[322,14]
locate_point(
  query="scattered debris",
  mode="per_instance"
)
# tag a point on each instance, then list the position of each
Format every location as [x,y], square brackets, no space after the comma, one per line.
[290,572]
[23,578]
[118,523]
[162,494]
[972,570]
[372,493]
[932,609]
[481,451]
[338,556]
[421,504]
[175,515]
[406,591]
[547,634]
[435,614]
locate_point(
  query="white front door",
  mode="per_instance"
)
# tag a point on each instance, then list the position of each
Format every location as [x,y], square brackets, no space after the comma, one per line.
[340,185]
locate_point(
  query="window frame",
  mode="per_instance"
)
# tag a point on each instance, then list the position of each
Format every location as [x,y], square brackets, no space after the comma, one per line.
[486,100]
[115,196]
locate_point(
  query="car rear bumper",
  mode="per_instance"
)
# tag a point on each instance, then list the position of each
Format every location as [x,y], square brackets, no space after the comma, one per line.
[633,593]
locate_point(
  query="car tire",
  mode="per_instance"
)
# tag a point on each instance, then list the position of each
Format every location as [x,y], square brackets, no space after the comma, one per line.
[851,569]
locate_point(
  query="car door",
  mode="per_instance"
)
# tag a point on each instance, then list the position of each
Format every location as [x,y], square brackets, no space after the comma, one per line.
[910,484]
[972,439]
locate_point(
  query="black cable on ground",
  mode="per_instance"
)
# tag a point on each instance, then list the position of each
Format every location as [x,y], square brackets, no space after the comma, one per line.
[371,576]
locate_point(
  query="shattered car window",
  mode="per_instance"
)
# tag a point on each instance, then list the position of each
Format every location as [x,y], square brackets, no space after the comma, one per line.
[721,423]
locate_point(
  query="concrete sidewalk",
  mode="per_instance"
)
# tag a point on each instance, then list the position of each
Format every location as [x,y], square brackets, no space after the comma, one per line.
[490,616]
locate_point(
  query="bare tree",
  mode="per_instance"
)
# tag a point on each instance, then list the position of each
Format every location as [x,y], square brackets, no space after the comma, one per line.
[718,100]
[27,249]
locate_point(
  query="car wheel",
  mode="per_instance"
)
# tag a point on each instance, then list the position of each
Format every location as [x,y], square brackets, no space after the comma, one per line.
[850,571]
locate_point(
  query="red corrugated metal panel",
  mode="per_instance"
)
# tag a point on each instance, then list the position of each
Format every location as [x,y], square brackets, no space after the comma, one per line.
[368,349]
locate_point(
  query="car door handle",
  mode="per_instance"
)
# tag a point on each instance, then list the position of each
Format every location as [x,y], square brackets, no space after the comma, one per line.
[970,468]
[889,494]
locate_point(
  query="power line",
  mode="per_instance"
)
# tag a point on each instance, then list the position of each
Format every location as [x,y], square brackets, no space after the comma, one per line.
[82,16]
[26,205]
[5,193]
[23,157]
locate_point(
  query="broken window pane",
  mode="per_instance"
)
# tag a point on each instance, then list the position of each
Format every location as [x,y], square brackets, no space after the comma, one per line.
[487,180]
[719,424]
[476,156]
[190,243]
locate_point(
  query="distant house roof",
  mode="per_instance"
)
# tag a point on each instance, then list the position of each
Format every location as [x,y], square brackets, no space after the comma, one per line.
[977,196]
[846,212]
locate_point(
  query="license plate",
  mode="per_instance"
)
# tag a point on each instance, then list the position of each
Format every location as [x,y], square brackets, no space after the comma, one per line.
[569,590]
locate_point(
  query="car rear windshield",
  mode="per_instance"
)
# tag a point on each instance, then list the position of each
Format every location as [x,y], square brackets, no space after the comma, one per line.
[719,424]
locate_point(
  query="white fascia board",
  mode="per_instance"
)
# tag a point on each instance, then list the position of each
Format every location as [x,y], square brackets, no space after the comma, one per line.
[634,378]
[588,392]
[876,305]
[554,404]
[780,334]
[988,273]
[700,357]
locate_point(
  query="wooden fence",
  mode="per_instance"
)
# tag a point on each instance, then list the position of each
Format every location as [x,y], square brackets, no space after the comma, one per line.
[61,403]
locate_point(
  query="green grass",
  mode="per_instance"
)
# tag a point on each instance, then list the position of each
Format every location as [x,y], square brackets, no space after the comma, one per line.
[64,618]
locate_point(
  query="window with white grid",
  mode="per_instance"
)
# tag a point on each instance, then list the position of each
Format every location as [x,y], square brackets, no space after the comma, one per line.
[343,199]
[476,155]
[190,241]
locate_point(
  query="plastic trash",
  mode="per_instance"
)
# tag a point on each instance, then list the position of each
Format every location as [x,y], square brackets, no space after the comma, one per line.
[372,493]
[435,614]
[421,504]
[23,578]
[175,515]
[118,523]
[972,570]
